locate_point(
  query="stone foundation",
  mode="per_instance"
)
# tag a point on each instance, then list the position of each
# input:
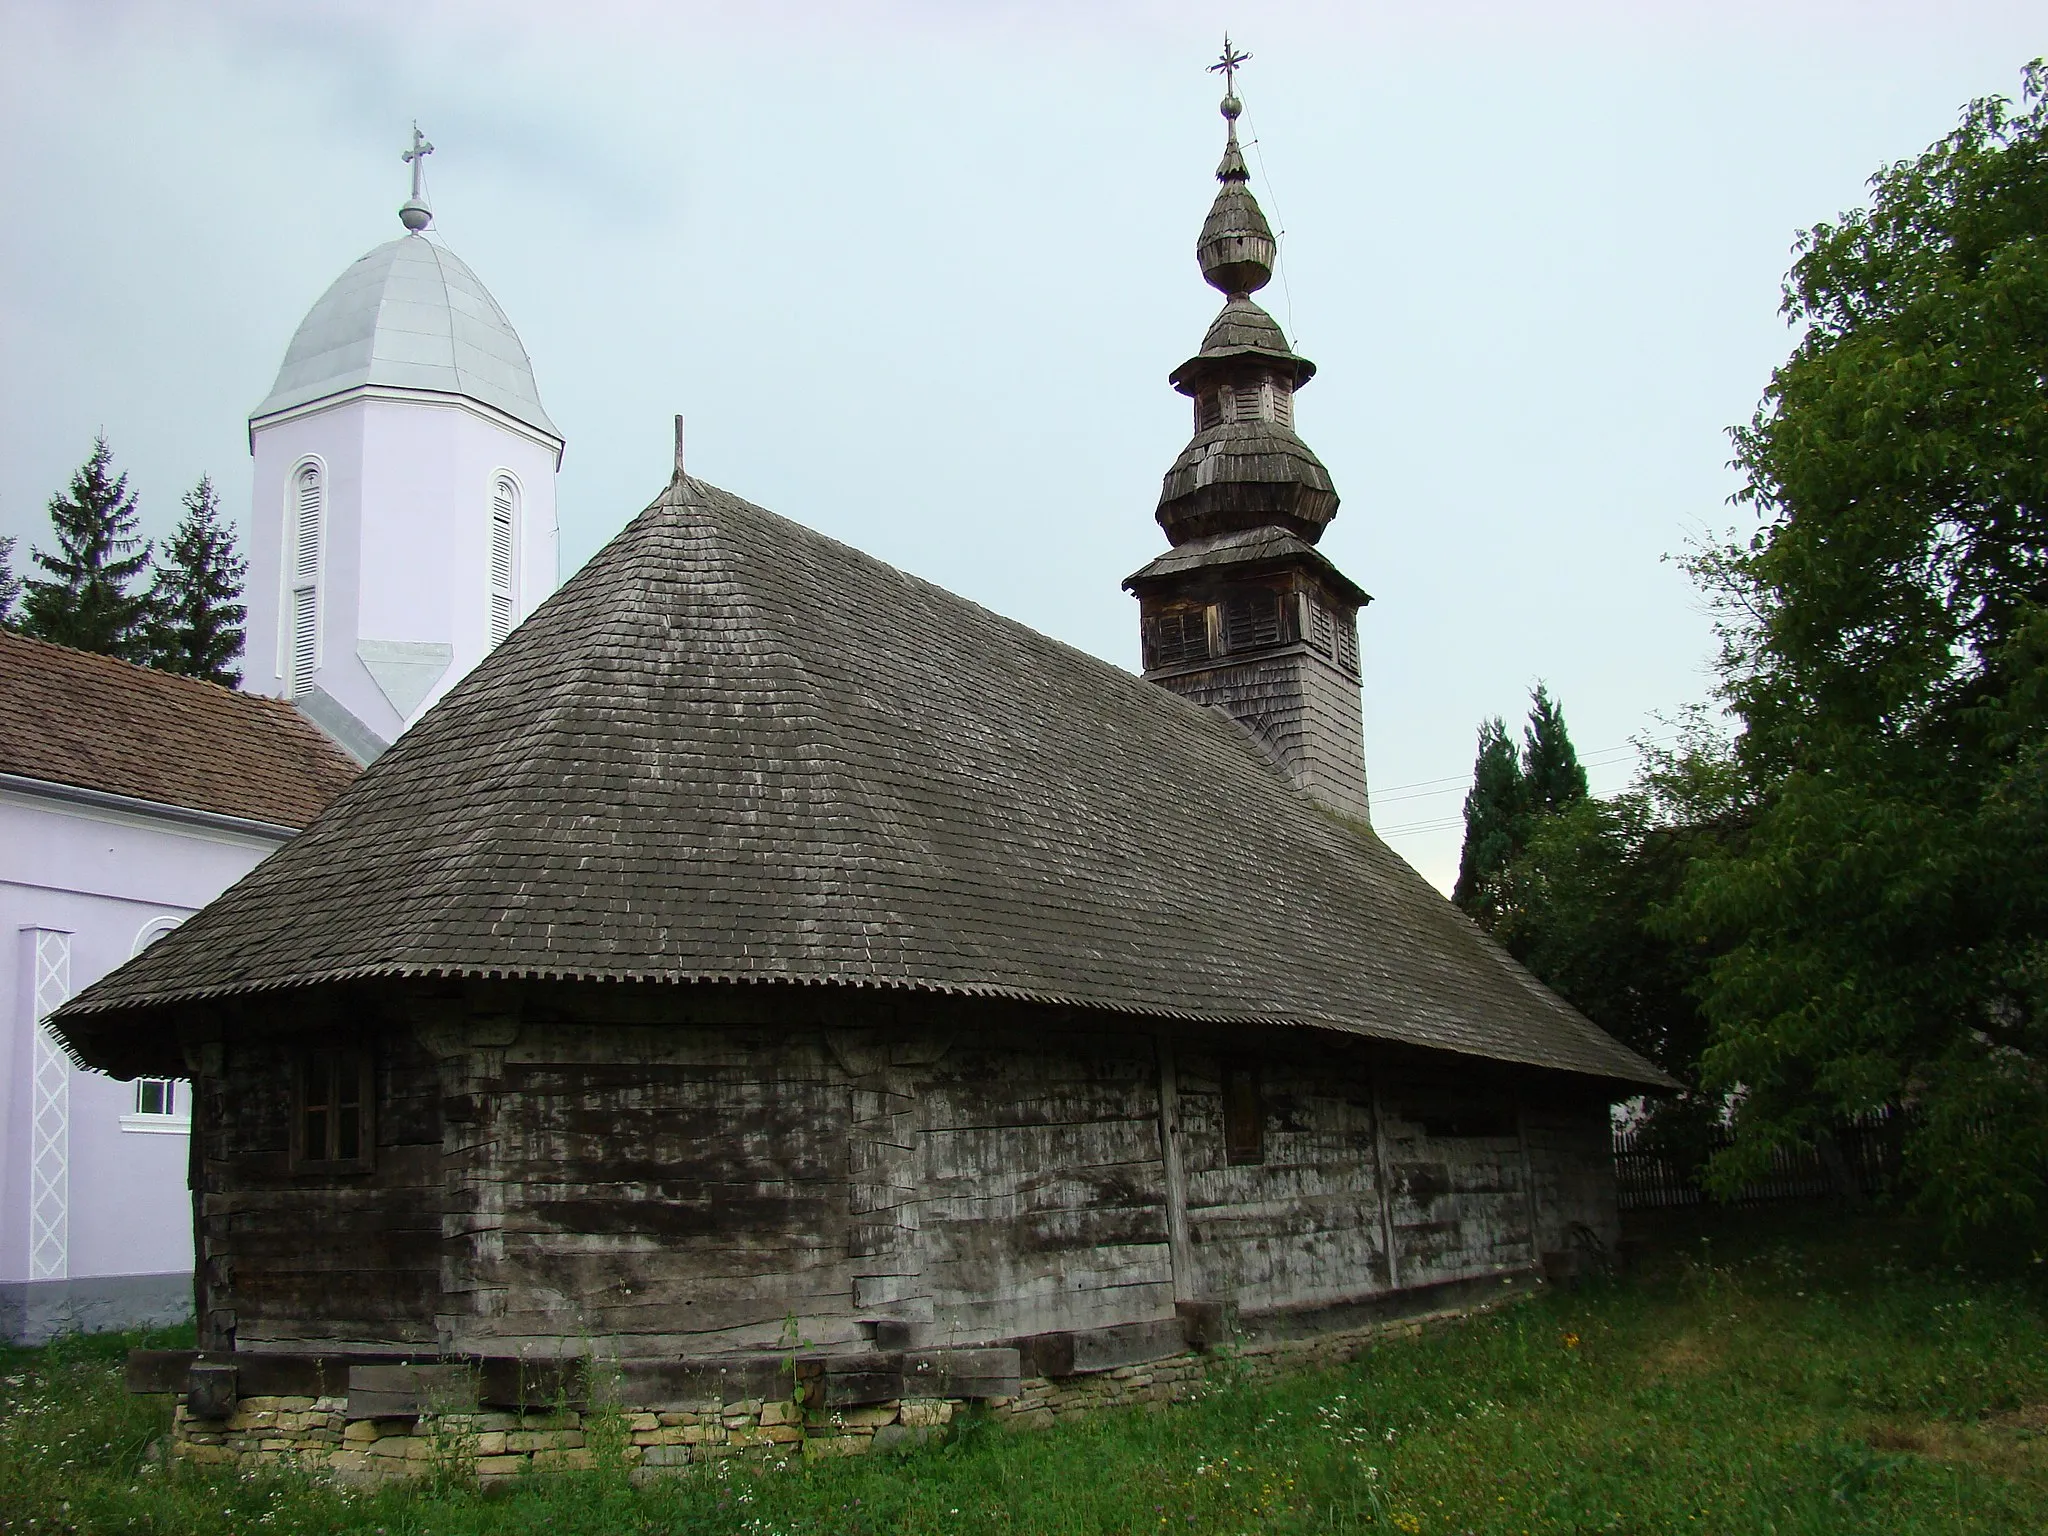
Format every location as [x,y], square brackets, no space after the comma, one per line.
[320,1434]
[316,1435]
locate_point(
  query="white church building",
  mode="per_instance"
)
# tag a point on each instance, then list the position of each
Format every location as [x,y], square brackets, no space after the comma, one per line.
[402,523]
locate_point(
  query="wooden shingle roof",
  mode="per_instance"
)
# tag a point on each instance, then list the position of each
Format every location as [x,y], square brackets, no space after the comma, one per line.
[732,750]
[88,721]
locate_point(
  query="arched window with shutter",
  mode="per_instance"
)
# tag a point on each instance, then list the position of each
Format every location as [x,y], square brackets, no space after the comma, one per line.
[504,555]
[305,518]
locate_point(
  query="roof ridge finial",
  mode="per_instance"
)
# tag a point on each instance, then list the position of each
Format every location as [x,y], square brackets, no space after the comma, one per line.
[1233,166]
[415,215]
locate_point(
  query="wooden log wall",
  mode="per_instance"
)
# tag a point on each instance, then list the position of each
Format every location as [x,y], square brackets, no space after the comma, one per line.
[660,1187]
[1459,1182]
[1045,1193]
[643,1174]
[289,1259]
[1303,1226]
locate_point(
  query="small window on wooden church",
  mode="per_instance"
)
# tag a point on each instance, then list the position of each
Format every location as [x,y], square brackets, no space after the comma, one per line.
[1347,645]
[1322,628]
[1179,634]
[1283,404]
[1244,1115]
[331,1111]
[1252,619]
[1208,409]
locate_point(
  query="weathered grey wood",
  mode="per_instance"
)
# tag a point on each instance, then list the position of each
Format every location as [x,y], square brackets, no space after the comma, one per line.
[1186,1285]
[1204,1324]
[1386,1192]
[407,1391]
[687,1385]
[158,1370]
[210,1390]
[512,1382]
[1104,1349]
[663,1194]
[961,1373]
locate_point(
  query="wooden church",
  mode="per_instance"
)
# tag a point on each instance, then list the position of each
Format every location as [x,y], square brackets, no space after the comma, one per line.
[763,952]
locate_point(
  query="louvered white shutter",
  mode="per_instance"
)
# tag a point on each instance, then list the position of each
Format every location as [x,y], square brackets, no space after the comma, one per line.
[504,499]
[304,575]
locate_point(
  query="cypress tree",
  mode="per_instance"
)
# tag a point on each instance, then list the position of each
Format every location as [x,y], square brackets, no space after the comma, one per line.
[1495,810]
[10,584]
[195,625]
[88,604]
[1551,773]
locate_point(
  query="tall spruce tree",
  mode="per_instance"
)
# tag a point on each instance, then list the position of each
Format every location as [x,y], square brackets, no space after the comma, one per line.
[1495,810]
[1551,776]
[195,623]
[1509,796]
[88,602]
[10,584]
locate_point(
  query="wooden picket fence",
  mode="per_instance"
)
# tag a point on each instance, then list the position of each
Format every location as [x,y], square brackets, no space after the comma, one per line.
[1870,1155]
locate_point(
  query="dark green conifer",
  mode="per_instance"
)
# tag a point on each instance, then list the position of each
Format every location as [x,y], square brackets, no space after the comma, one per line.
[1495,810]
[1551,775]
[88,602]
[10,584]
[195,625]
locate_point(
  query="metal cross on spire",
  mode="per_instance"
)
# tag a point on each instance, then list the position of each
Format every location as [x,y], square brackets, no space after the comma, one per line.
[1227,66]
[415,215]
[416,157]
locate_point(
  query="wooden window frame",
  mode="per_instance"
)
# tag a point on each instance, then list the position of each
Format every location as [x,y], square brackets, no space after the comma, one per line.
[1244,1116]
[338,1068]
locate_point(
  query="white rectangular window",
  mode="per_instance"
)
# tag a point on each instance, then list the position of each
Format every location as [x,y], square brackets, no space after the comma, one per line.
[160,1107]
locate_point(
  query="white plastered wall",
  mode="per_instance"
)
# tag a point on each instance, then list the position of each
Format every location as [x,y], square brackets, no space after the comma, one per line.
[407,538]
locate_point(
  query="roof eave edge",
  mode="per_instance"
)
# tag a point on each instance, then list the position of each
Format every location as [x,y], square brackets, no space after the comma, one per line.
[136,805]
[546,437]
[1656,1081]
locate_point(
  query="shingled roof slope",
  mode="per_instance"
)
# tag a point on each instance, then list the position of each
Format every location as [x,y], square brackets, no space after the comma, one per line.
[73,717]
[730,749]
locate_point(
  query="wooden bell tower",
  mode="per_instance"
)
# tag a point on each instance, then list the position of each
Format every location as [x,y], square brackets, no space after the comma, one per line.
[1244,612]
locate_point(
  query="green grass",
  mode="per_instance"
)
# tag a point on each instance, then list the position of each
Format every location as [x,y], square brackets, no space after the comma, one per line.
[1755,1376]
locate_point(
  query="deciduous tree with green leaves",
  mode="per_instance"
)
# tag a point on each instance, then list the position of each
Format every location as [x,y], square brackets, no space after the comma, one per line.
[88,600]
[1588,912]
[1881,932]
[195,624]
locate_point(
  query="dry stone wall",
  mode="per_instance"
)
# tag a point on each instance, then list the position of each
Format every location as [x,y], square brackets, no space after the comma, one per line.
[318,1435]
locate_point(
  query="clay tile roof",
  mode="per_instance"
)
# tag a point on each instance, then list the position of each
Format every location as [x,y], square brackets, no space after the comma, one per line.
[732,750]
[76,718]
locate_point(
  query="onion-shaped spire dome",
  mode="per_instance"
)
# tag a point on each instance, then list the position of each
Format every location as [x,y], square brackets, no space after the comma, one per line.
[1244,468]
[1236,248]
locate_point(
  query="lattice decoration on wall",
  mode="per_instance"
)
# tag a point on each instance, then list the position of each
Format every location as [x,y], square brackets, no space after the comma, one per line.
[49,1204]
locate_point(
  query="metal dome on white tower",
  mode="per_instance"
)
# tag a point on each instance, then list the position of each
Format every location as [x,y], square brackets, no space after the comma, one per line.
[404,514]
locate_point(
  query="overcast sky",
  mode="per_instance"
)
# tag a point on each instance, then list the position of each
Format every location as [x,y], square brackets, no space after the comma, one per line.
[915,275]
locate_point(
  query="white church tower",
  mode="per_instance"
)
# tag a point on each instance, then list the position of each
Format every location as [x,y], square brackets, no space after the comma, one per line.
[404,515]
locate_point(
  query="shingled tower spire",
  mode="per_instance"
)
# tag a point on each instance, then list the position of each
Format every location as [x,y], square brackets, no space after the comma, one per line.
[1244,613]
